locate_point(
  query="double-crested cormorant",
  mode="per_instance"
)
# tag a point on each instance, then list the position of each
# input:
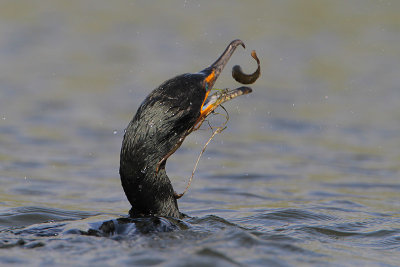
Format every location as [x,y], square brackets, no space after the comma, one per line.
[163,120]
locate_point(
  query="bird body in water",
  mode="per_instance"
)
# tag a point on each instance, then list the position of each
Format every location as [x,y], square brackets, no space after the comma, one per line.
[163,120]
[159,124]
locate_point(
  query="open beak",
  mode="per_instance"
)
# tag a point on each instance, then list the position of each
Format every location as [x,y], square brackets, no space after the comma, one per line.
[211,74]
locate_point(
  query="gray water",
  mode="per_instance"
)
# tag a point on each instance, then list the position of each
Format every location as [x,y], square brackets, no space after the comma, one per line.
[307,172]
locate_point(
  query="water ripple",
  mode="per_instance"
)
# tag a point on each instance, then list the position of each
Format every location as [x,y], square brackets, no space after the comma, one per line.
[22,216]
[293,215]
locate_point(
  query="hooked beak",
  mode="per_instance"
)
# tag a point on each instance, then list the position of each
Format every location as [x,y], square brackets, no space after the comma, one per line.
[213,71]
[211,75]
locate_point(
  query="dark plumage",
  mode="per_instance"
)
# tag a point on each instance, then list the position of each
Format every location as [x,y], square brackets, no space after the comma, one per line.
[160,125]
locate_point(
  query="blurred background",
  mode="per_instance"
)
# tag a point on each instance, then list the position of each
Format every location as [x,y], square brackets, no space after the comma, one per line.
[320,128]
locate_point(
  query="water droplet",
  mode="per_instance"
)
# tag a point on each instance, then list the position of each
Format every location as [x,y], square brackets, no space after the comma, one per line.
[143,170]
[115,132]
[151,123]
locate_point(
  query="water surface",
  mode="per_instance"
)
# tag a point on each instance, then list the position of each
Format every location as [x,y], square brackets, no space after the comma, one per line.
[307,172]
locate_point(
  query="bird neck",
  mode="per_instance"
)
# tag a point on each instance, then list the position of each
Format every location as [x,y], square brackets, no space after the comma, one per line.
[149,191]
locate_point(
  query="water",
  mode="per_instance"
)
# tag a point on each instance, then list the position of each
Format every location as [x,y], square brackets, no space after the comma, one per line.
[307,172]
